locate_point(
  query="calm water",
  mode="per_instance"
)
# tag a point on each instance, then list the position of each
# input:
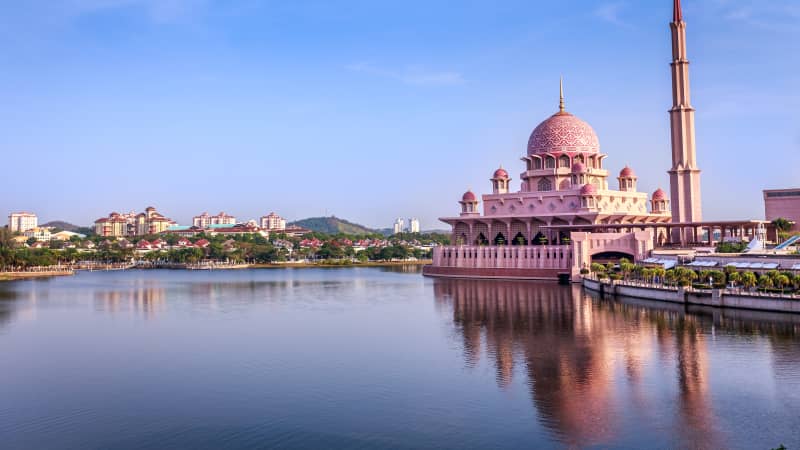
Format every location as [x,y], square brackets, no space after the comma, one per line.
[376,358]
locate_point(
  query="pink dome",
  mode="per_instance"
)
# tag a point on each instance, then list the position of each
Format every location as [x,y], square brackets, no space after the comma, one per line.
[469,197]
[578,168]
[627,172]
[588,189]
[563,132]
[500,173]
[659,194]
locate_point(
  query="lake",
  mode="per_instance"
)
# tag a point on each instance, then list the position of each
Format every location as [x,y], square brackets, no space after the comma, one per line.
[382,358]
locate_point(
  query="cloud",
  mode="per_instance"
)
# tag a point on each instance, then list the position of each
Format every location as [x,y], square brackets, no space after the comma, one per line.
[610,12]
[414,75]
[159,11]
[782,16]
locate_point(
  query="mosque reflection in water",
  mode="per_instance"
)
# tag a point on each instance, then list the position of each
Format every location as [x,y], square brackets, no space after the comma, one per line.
[594,366]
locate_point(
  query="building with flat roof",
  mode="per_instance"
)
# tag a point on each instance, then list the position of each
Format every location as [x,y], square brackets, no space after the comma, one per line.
[273,222]
[19,222]
[783,203]
[204,220]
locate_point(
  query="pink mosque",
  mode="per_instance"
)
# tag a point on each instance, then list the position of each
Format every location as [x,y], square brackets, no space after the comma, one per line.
[568,213]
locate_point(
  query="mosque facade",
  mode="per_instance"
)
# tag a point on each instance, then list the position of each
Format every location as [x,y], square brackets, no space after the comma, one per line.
[570,207]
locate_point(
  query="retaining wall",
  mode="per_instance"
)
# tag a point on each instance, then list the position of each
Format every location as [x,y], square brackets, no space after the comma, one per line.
[716,298]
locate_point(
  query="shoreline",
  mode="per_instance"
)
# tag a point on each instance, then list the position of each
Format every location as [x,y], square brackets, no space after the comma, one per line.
[14,276]
[333,266]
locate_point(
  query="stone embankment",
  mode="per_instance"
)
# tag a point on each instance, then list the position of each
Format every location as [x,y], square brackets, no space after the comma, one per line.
[720,298]
[28,274]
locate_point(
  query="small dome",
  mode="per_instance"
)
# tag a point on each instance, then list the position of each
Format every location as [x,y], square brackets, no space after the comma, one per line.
[578,168]
[627,172]
[588,189]
[659,194]
[500,173]
[468,197]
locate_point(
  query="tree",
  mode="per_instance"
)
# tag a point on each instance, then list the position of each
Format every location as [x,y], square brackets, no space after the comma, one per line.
[782,225]
[749,280]
[781,281]
[765,282]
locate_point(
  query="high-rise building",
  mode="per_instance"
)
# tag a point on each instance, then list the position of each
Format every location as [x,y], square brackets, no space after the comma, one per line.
[204,220]
[20,222]
[273,222]
[399,225]
[413,225]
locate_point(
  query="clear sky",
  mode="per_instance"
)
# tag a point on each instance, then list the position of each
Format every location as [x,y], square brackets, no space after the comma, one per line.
[371,110]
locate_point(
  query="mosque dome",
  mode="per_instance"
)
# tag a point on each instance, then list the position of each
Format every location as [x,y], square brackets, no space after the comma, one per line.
[563,132]
[659,194]
[468,197]
[500,173]
[627,172]
[588,189]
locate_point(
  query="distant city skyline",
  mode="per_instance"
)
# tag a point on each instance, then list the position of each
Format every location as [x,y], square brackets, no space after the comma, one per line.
[360,110]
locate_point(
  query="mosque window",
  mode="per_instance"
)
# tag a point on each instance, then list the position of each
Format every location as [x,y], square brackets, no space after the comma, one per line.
[545,185]
[550,163]
[563,161]
[537,164]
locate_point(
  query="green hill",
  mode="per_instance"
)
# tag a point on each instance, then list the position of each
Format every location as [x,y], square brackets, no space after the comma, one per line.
[332,225]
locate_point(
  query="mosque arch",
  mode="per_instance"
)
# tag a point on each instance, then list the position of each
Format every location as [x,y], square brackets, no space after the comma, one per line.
[565,185]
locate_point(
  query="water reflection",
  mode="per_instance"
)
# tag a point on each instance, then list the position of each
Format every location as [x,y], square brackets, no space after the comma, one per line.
[594,364]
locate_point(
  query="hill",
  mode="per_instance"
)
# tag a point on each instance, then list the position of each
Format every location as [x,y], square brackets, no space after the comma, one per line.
[61,225]
[332,225]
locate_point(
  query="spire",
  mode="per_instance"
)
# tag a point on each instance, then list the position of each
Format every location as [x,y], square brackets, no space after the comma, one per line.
[677,13]
[561,95]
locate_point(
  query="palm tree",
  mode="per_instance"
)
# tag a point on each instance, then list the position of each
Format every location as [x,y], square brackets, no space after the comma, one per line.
[782,226]
[749,280]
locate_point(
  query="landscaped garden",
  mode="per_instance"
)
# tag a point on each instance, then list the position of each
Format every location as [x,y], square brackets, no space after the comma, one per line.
[772,281]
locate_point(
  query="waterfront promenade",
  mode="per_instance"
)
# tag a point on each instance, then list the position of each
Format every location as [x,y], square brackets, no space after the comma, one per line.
[736,298]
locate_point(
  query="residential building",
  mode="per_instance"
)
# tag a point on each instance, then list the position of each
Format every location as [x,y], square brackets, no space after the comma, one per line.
[19,222]
[273,222]
[204,220]
[132,224]
[399,226]
[41,234]
[413,225]
[783,203]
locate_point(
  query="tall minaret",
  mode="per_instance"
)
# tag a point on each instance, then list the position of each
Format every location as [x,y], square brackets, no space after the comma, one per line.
[684,177]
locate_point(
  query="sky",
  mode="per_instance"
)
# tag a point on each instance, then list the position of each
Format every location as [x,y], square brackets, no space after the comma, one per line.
[372,110]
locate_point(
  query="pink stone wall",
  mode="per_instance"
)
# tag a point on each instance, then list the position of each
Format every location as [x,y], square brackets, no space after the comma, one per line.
[504,257]
[783,203]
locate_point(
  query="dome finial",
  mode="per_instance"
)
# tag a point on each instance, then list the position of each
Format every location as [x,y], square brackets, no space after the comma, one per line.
[561,95]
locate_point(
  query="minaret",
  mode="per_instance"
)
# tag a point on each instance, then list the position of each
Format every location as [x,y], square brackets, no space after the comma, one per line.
[684,177]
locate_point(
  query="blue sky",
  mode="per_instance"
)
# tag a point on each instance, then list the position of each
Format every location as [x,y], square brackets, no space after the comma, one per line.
[371,110]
